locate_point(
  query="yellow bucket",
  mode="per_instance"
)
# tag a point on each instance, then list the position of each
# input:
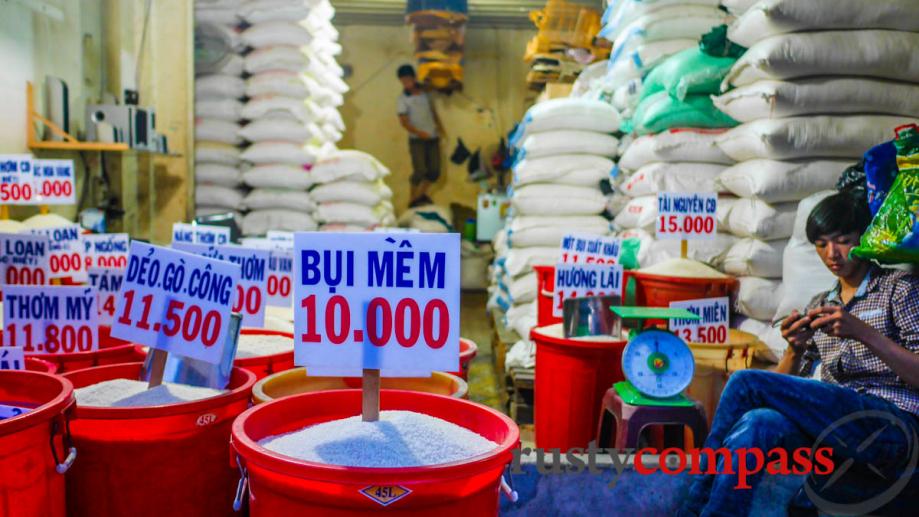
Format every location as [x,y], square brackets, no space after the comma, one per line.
[714,364]
[296,381]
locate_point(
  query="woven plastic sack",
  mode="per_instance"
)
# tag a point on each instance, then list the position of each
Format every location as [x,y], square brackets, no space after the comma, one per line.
[880,171]
[661,112]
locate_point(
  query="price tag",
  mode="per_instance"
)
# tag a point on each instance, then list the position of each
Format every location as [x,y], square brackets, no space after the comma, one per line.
[712,328]
[50,320]
[579,280]
[200,234]
[377,302]
[65,259]
[107,283]
[686,216]
[106,250]
[280,269]
[54,182]
[16,180]
[12,358]
[175,301]
[590,249]
[24,259]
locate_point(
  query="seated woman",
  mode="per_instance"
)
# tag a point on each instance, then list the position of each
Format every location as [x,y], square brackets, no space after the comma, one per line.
[865,333]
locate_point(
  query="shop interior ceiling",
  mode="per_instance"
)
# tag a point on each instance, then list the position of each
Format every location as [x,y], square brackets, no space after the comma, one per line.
[482,13]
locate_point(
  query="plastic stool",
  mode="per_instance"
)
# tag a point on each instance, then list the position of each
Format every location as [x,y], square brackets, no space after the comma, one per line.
[631,420]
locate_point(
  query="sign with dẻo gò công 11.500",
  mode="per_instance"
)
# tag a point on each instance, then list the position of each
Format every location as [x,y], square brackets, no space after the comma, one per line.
[377,301]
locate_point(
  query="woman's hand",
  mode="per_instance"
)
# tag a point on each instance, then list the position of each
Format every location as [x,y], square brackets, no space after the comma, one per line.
[837,322]
[797,331]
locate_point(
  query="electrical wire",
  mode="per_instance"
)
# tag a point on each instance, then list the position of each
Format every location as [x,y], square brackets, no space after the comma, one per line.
[143,40]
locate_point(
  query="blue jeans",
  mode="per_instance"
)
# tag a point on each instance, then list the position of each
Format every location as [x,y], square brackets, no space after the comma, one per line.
[766,410]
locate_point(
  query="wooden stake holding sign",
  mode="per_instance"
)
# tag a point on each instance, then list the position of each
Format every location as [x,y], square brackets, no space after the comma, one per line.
[686,216]
[376,305]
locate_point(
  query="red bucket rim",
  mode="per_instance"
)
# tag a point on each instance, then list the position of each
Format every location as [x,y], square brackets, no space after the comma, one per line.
[241,391]
[471,348]
[538,337]
[684,280]
[57,405]
[247,448]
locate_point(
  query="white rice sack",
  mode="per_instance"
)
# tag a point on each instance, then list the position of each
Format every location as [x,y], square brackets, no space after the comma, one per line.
[819,96]
[267,199]
[521,261]
[222,109]
[627,97]
[809,137]
[216,130]
[258,222]
[655,251]
[775,181]
[363,193]
[527,231]
[521,355]
[588,77]
[638,60]
[273,152]
[760,220]
[676,145]
[345,228]
[219,86]
[803,272]
[349,164]
[640,212]
[676,22]
[262,11]
[523,289]
[738,7]
[277,82]
[620,13]
[767,334]
[278,176]
[231,65]
[225,16]
[568,169]
[215,195]
[216,174]
[725,204]
[273,34]
[752,257]
[267,129]
[215,152]
[672,177]
[351,213]
[552,143]
[758,297]
[863,53]
[276,59]
[431,219]
[525,322]
[773,17]
[570,113]
[543,199]
[269,105]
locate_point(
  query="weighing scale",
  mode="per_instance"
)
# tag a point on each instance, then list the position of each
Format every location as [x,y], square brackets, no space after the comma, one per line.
[658,365]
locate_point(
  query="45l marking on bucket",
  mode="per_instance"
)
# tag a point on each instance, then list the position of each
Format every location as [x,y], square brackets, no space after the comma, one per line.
[385,495]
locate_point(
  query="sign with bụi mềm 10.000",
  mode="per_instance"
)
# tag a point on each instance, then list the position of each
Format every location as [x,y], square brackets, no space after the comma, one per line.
[377,301]
[686,216]
[176,301]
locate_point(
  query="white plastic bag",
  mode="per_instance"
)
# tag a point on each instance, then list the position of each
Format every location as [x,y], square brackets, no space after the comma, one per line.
[546,199]
[271,199]
[351,213]
[571,113]
[682,21]
[820,95]
[546,231]
[276,59]
[222,109]
[271,105]
[520,261]
[523,289]
[640,212]
[348,164]
[758,297]
[258,222]
[551,143]
[675,145]
[760,220]
[775,181]
[752,257]
[267,129]
[273,152]
[672,177]
[277,82]
[568,169]
[619,13]
[261,11]
[278,176]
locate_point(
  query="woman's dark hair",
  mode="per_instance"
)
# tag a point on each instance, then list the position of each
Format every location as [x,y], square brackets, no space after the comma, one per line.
[405,71]
[843,212]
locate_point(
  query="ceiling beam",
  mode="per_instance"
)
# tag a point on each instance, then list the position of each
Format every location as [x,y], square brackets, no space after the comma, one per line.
[482,13]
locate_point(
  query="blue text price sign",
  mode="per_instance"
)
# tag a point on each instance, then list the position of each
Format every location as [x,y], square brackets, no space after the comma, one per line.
[250,297]
[175,301]
[107,283]
[590,249]
[24,259]
[280,268]
[376,301]
[284,238]
[54,182]
[712,328]
[579,280]
[12,358]
[16,180]
[50,320]
[106,250]
[686,216]
[200,234]
[65,259]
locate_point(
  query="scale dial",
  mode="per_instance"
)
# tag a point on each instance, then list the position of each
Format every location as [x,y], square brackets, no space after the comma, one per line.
[659,364]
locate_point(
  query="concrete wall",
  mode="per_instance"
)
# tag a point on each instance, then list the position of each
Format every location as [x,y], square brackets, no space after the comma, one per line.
[493,100]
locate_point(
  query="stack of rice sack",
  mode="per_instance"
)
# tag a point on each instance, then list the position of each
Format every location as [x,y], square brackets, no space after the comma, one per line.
[288,114]
[350,192]
[645,33]
[675,150]
[218,106]
[564,150]
[821,83]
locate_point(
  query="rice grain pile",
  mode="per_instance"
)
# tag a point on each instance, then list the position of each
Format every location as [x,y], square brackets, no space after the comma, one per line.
[131,393]
[683,268]
[398,439]
[258,345]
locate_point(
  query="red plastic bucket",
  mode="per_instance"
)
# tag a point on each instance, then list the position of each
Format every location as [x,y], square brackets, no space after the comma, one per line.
[32,450]
[571,377]
[265,365]
[659,290]
[545,290]
[38,365]
[111,351]
[156,460]
[280,485]
[468,351]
